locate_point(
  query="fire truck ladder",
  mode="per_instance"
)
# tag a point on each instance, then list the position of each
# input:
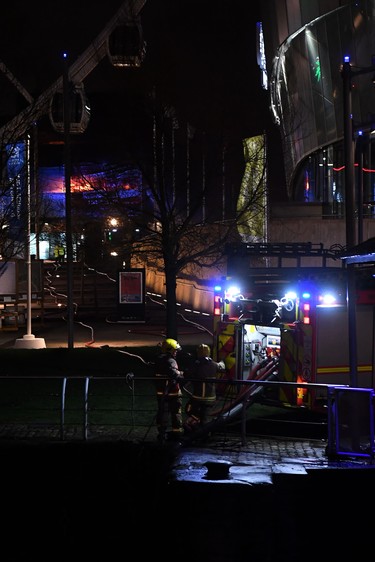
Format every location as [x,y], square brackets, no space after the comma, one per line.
[284,250]
[233,409]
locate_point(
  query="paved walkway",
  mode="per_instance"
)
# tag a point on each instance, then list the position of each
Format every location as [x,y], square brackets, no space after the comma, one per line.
[99,333]
[259,460]
[255,460]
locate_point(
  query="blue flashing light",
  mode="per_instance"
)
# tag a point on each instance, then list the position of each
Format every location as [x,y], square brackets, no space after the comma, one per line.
[306,295]
[346,58]
[217,288]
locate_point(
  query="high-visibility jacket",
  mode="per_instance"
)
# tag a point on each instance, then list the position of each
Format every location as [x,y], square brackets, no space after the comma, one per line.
[205,368]
[167,375]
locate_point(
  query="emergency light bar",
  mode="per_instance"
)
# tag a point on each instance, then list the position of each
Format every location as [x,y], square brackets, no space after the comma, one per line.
[327,300]
[232,292]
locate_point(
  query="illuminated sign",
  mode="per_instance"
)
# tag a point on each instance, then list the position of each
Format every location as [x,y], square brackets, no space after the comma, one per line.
[261,55]
[16,167]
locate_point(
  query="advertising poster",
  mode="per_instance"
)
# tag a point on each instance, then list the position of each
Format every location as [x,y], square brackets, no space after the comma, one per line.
[131,295]
[131,290]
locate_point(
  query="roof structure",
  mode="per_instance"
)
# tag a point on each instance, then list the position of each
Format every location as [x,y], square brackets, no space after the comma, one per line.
[362,253]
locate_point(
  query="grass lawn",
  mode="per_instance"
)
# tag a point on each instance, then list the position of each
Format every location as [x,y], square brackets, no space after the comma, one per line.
[35,383]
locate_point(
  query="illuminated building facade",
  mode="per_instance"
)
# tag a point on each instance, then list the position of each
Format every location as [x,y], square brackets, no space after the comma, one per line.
[90,210]
[305,43]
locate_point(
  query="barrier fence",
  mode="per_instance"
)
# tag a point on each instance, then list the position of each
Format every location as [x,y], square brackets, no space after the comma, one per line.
[83,408]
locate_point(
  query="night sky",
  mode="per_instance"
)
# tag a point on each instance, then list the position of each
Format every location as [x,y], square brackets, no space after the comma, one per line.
[200,58]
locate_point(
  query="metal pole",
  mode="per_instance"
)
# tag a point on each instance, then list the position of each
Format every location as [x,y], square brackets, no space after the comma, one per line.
[86,409]
[68,204]
[349,156]
[63,399]
[28,340]
[28,236]
[36,193]
[360,148]
[350,219]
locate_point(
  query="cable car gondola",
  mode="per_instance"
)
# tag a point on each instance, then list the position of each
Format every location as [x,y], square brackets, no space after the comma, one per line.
[79,111]
[125,45]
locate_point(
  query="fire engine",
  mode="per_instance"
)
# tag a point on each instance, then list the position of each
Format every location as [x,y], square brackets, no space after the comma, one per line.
[291,325]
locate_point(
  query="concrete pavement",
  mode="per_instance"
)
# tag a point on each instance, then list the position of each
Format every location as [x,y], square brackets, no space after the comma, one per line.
[94,333]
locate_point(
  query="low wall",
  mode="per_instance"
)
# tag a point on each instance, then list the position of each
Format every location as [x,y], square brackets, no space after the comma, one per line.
[194,294]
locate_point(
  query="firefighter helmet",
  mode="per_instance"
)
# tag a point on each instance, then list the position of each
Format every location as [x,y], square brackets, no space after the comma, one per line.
[203,350]
[169,345]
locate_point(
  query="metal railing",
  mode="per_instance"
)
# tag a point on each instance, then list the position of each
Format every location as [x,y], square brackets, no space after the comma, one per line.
[124,407]
[59,407]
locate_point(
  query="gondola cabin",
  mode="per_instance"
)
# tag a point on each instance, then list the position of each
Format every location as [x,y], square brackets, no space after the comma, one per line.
[79,111]
[125,45]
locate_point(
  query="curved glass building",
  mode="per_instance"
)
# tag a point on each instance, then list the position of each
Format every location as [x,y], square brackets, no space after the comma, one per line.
[306,45]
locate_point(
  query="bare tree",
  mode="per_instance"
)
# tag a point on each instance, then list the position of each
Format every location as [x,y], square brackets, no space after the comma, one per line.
[171,221]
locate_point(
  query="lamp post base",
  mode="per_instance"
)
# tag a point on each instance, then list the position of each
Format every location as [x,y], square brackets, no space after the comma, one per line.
[29,341]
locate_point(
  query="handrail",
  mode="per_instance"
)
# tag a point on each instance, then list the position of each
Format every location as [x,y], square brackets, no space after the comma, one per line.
[133,407]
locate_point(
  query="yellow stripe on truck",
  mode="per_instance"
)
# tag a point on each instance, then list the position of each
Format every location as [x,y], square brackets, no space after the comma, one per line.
[342,369]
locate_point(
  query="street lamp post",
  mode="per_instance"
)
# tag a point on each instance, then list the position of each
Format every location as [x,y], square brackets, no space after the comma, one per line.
[350,218]
[349,155]
[349,148]
[28,341]
[68,204]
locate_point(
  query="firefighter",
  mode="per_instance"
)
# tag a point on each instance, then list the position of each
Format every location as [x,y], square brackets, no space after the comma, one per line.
[168,390]
[204,392]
